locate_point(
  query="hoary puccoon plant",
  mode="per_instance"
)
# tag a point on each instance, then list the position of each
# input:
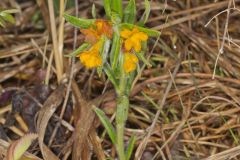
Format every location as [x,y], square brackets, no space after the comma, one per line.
[115,45]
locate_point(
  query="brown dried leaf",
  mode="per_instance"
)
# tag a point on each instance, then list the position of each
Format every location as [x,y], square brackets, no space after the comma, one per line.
[49,107]
[17,148]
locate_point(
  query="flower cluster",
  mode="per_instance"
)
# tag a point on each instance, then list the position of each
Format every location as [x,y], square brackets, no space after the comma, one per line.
[92,58]
[132,42]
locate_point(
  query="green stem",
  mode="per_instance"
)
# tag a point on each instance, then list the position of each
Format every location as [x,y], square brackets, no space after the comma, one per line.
[121,117]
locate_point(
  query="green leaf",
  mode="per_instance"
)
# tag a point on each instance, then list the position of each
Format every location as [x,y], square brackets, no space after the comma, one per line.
[147,11]
[79,22]
[130,147]
[142,58]
[104,53]
[94,11]
[2,23]
[19,147]
[130,12]
[106,123]
[115,18]
[10,11]
[111,75]
[7,17]
[106,47]
[79,50]
[149,32]
[131,78]
[116,45]
[117,7]
[107,7]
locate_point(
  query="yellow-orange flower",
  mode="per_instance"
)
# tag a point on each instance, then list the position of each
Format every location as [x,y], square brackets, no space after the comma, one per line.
[94,33]
[104,28]
[130,62]
[91,35]
[92,57]
[133,39]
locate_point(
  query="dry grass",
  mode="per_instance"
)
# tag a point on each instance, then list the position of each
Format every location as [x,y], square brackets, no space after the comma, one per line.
[186,106]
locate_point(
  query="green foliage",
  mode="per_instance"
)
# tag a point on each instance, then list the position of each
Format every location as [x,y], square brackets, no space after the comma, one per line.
[79,22]
[114,55]
[104,53]
[19,147]
[147,11]
[94,11]
[149,32]
[80,49]
[5,16]
[130,147]
[111,75]
[130,12]
[116,7]
[107,7]
[114,62]
[142,58]
[106,123]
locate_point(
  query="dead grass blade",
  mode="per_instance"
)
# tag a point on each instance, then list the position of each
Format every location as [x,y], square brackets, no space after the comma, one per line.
[44,116]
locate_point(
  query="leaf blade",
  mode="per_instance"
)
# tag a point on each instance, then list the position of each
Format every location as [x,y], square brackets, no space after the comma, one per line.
[106,123]
[79,50]
[130,147]
[7,17]
[130,12]
[117,7]
[150,32]
[107,8]
[79,22]
[18,148]
[147,11]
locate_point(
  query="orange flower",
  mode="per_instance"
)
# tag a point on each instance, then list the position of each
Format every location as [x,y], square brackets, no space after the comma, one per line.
[104,28]
[133,39]
[91,35]
[130,62]
[92,57]
[94,33]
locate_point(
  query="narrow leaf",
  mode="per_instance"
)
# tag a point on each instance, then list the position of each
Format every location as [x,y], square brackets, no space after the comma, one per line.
[7,17]
[130,147]
[147,10]
[2,23]
[114,55]
[104,53]
[106,123]
[79,22]
[130,12]
[105,49]
[115,18]
[10,11]
[93,11]
[110,75]
[44,115]
[19,147]
[149,32]
[142,58]
[107,7]
[117,7]
[79,50]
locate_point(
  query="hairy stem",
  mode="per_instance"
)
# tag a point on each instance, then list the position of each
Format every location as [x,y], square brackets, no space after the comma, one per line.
[121,117]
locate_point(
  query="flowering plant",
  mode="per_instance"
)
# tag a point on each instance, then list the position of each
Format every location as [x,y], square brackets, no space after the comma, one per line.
[115,46]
